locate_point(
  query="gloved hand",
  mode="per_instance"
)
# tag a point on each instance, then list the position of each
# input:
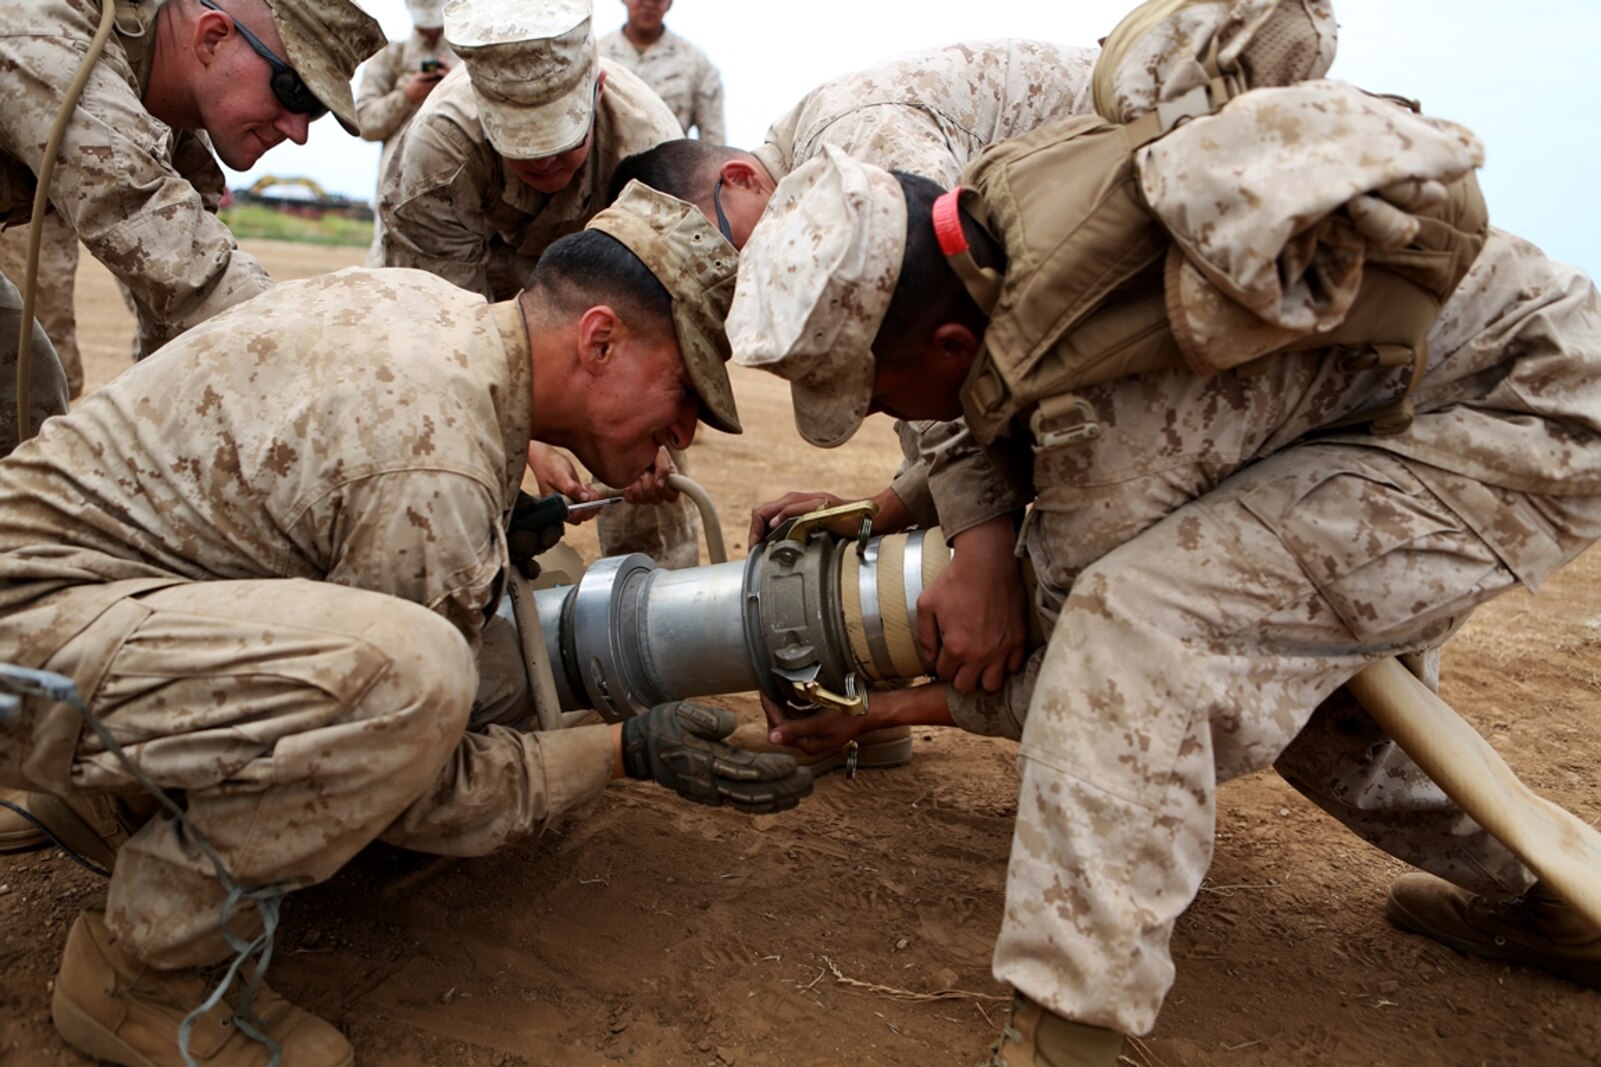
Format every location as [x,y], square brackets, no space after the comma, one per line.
[679,744]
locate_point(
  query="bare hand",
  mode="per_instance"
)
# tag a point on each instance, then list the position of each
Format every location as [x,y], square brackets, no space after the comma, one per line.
[555,473]
[765,518]
[972,622]
[417,85]
[651,487]
[819,733]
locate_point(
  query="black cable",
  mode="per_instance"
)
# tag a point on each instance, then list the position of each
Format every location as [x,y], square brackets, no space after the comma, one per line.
[71,853]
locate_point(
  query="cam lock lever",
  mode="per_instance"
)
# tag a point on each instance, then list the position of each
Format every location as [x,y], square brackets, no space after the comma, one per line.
[847,522]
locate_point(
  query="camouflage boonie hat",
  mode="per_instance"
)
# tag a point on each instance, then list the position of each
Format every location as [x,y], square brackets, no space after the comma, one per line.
[815,280]
[325,41]
[533,67]
[426,14]
[1166,49]
[697,267]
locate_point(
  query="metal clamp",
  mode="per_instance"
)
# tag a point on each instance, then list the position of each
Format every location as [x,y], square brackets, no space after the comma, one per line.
[847,522]
[809,693]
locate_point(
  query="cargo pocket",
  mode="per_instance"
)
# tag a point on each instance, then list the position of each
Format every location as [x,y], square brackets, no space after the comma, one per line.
[1068,528]
[1385,552]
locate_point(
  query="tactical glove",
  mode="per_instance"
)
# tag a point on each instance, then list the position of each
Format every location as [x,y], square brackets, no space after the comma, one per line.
[679,744]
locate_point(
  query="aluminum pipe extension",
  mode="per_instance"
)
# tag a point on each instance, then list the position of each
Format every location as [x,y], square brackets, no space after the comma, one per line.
[809,623]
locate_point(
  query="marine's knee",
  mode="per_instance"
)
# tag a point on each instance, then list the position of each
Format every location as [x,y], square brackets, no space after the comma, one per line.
[425,692]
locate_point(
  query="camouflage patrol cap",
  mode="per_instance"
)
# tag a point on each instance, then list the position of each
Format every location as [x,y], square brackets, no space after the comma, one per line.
[815,280]
[1162,50]
[697,267]
[533,67]
[426,14]
[325,41]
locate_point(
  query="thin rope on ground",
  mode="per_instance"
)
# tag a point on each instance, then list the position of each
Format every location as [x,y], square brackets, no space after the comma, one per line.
[908,995]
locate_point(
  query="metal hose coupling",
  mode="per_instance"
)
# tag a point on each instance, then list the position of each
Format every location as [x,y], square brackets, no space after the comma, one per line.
[811,617]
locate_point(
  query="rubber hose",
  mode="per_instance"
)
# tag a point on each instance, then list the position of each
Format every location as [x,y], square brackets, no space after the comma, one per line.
[41,203]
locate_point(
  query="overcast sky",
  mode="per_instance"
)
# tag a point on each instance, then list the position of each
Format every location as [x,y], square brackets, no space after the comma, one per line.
[1523,76]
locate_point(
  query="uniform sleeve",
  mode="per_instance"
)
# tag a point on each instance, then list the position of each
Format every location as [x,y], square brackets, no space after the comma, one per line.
[433,537]
[893,136]
[910,483]
[965,486]
[381,105]
[431,207]
[999,714]
[116,183]
[709,105]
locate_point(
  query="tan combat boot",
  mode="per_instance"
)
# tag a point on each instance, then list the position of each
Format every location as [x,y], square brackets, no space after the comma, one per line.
[93,826]
[115,1008]
[1035,1038]
[1538,929]
[875,750]
[17,834]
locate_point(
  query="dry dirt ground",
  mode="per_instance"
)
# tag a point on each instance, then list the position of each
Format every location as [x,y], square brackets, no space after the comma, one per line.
[649,932]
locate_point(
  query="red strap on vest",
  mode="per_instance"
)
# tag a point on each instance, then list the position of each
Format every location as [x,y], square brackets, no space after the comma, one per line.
[948,223]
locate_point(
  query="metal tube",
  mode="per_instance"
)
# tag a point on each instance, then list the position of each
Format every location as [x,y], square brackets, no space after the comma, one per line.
[692,632]
[631,635]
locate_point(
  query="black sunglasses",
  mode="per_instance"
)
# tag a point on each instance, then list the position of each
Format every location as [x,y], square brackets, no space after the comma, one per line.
[291,92]
[717,205]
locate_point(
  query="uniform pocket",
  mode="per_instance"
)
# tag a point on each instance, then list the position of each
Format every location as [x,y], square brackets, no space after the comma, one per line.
[1383,550]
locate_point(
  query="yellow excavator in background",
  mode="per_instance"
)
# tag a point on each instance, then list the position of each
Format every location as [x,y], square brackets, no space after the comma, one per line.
[259,189]
[299,196]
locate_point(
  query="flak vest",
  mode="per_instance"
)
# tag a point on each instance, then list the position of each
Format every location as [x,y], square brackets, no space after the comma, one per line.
[1090,277]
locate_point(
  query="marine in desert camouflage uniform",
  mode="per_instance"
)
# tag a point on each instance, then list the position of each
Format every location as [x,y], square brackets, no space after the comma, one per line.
[394,84]
[1217,553]
[514,149]
[267,560]
[929,112]
[677,71]
[136,179]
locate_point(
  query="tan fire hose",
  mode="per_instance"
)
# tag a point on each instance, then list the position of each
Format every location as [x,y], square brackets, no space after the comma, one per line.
[711,525]
[716,547]
[41,203]
[1556,844]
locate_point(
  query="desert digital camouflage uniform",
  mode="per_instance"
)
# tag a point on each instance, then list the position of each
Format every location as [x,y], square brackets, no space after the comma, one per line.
[930,113]
[382,107]
[1223,553]
[1227,552]
[266,560]
[54,305]
[679,73]
[1213,575]
[140,195]
[449,206]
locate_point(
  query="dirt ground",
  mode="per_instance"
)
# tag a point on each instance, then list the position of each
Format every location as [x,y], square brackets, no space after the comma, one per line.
[653,933]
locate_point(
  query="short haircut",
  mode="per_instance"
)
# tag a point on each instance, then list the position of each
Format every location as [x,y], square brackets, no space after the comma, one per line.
[928,293]
[684,168]
[589,268]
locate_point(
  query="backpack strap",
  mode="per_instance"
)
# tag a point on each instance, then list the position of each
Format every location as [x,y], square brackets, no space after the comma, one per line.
[983,283]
